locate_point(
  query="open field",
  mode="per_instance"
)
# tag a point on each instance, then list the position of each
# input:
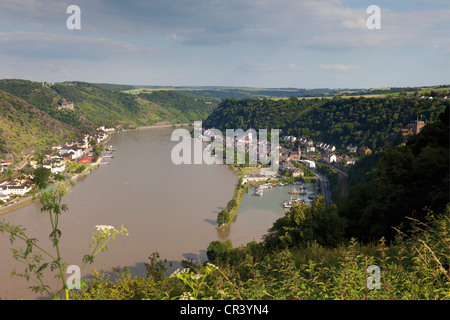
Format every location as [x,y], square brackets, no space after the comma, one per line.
[283,93]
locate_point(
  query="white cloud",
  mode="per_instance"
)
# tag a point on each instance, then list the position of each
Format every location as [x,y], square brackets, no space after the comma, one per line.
[258,67]
[338,67]
[56,46]
[294,67]
[359,24]
[207,39]
[308,23]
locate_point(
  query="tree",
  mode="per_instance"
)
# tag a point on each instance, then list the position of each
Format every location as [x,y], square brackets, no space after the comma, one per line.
[231,204]
[41,176]
[218,250]
[223,217]
[304,224]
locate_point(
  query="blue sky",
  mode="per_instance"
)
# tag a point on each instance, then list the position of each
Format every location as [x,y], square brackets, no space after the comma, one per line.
[252,43]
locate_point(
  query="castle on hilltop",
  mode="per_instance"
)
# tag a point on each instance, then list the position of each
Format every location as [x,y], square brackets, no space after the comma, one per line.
[65,105]
[412,128]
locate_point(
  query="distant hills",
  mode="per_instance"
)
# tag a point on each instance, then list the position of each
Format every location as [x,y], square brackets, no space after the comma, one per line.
[33,114]
[277,93]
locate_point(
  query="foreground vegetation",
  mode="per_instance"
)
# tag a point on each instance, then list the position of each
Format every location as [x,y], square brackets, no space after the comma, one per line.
[414,266]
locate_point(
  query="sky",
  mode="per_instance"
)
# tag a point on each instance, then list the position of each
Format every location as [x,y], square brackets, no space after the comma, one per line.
[239,43]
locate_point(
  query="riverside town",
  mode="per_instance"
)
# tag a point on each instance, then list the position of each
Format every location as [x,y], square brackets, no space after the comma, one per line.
[68,160]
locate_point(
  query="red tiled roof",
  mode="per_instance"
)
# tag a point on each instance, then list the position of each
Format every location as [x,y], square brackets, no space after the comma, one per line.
[86,160]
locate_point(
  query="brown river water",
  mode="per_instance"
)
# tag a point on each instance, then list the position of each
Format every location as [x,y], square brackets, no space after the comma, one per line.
[166,208]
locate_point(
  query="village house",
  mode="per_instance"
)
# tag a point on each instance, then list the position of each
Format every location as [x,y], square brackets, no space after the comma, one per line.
[15,187]
[365,151]
[296,172]
[4,197]
[291,139]
[349,161]
[55,165]
[295,155]
[100,136]
[330,158]
[16,190]
[285,164]
[5,163]
[351,148]
[309,163]
[310,149]
[69,151]
[284,154]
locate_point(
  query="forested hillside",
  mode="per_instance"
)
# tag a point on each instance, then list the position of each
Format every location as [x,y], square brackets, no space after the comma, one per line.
[25,127]
[183,107]
[399,182]
[93,106]
[339,121]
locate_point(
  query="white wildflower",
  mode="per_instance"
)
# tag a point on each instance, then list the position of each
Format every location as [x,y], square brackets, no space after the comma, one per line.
[186,296]
[212,266]
[178,272]
[196,276]
[104,227]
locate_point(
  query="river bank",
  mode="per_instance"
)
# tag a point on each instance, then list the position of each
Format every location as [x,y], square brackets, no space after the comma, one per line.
[20,203]
[155,126]
[242,187]
[166,208]
[27,200]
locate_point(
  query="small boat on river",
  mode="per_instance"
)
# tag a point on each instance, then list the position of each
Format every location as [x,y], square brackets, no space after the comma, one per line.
[290,203]
[258,191]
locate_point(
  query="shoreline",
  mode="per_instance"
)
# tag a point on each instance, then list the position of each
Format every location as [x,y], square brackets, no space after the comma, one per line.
[156,126]
[32,198]
[241,190]
[238,195]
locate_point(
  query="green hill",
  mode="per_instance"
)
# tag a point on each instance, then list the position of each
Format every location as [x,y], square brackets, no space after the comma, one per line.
[93,105]
[183,107]
[24,127]
[339,121]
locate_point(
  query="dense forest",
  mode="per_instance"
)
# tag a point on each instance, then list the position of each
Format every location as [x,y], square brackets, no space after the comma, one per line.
[339,121]
[402,181]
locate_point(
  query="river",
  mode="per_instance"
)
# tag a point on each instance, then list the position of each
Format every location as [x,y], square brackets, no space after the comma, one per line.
[166,208]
